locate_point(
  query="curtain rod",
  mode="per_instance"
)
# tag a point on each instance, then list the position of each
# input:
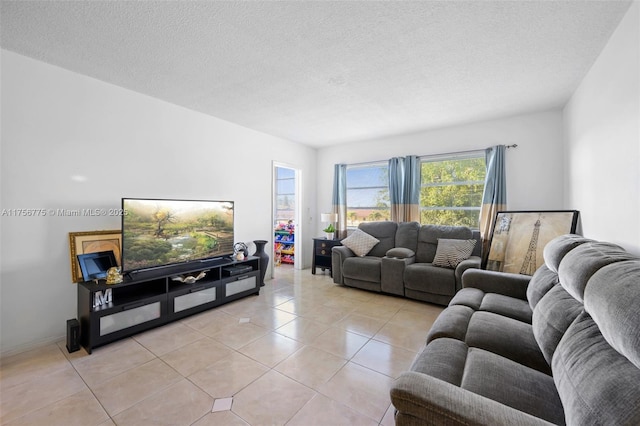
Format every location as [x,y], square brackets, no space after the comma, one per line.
[515,145]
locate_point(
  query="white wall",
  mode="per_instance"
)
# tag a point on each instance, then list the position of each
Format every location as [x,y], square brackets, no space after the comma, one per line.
[57,124]
[534,168]
[602,138]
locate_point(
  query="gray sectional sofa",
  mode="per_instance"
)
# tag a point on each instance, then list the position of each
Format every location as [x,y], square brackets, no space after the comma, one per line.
[561,347]
[402,262]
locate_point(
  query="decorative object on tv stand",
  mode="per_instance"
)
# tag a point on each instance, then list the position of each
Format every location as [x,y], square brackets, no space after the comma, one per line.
[241,247]
[264,258]
[329,218]
[190,279]
[114,276]
[94,266]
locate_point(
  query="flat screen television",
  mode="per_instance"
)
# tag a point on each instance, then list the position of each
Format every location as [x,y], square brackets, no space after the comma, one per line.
[157,232]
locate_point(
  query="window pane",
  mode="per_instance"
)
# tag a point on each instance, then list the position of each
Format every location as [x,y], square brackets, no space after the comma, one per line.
[368,198]
[285,194]
[451,191]
[282,173]
[367,193]
[286,186]
[358,177]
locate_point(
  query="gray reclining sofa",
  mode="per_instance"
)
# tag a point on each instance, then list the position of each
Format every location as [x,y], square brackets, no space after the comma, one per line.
[561,347]
[401,263]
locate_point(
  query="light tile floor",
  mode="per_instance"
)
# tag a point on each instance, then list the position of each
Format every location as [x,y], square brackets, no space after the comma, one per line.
[303,352]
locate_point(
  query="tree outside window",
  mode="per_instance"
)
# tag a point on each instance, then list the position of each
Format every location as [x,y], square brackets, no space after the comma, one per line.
[451,192]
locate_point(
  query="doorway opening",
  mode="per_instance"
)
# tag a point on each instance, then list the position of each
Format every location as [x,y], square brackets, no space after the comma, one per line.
[286,218]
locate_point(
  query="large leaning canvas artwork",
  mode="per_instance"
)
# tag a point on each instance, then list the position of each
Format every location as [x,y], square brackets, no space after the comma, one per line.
[519,237]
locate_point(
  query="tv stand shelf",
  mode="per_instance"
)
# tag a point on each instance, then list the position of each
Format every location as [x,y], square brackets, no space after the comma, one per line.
[151,298]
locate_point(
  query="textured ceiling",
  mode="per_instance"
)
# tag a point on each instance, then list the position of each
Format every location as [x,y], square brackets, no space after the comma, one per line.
[323,73]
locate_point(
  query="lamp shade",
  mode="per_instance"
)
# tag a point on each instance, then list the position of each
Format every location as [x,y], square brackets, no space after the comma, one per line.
[328,217]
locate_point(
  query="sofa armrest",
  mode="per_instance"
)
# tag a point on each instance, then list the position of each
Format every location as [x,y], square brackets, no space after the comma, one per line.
[424,400]
[507,284]
[470,263]
[338,255]
[392,273]
[400,253]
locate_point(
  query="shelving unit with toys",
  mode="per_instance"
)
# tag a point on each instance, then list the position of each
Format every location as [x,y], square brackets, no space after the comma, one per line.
[284,243]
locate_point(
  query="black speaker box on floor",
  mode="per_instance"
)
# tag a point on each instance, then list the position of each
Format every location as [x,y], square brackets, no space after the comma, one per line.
[73,335]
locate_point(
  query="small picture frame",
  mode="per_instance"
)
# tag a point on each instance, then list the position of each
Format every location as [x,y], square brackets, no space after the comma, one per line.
[519,237]
[94,266]
[92,242]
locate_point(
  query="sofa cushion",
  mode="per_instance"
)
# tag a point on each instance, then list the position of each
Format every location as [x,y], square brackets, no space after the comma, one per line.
[506,337]
[385,232]
[362,268]
[469,296]
[449,253]
[407,235]
[543,280]
[512,384]
[427,278]
[611,298]
[428,239]
[453,323]
[597,385]
[579,265]
[443,359]
[506,306]
[491,376]
[478,300]
[360,242]
[557,248]
[552,316]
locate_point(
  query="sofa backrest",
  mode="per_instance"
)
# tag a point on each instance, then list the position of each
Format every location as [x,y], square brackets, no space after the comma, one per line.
[407,235]
[385,231]
[596,366]
[547,275]
[428,239]
[477,250]
[586,322]
[562,303]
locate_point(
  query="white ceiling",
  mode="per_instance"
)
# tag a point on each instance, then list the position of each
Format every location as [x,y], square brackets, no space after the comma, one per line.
[324,73]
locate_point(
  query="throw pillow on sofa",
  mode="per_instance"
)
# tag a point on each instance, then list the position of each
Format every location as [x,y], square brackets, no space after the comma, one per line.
[360,242]
[450,253]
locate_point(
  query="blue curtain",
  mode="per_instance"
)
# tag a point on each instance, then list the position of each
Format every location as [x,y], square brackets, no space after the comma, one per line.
[494,198]
[340,199]
[404,188]
[412,181]
[396,192]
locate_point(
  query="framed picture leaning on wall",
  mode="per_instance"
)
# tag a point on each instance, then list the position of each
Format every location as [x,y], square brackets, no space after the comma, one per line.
[518,238]
[92,242]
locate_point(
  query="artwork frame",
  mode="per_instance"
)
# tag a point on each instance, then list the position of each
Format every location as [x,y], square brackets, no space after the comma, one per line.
[518,238]
[92,242]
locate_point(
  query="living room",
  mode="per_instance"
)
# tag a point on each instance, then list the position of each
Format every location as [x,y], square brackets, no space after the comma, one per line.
[74,141]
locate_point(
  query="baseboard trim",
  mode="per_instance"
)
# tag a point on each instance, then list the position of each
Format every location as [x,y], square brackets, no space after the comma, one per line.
[25,347]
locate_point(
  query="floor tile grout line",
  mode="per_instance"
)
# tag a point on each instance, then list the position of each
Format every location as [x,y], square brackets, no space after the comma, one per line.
[326,299]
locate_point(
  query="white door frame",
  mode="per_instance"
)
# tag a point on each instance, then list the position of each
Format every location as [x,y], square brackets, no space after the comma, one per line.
[297,215]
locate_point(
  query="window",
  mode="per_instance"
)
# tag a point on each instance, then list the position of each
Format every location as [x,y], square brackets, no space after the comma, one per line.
[452,186]
[367,193]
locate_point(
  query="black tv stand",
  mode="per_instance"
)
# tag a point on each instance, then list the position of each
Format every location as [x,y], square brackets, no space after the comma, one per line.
[150,298]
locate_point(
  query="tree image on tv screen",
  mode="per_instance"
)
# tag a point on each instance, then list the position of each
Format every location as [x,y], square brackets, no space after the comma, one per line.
[160,232]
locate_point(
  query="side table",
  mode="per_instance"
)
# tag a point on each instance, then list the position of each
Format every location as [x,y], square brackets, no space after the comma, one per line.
[322,254]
